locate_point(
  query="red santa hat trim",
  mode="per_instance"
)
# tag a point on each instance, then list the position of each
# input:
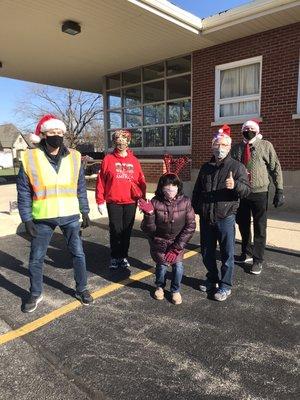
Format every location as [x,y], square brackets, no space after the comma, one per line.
[46,123]
[251,124]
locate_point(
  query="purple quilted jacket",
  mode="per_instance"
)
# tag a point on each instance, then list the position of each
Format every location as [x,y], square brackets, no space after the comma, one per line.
[171,224]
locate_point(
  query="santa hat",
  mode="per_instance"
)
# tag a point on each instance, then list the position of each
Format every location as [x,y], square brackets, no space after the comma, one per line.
[251,124]
[224,130]
[46,123]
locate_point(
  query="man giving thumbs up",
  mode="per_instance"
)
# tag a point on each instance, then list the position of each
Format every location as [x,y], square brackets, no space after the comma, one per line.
[221,183]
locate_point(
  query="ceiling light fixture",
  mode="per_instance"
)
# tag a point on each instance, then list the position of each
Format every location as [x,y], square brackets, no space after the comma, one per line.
[71,27]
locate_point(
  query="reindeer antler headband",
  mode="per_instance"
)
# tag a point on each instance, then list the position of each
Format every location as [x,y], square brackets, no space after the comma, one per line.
[174,166]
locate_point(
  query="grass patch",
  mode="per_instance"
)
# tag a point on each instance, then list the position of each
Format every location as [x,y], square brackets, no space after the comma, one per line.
[9,171]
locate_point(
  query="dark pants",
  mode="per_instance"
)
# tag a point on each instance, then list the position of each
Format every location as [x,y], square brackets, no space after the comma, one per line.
[121,220]
[222,231]
[255,203]
[177,273]
[39,246]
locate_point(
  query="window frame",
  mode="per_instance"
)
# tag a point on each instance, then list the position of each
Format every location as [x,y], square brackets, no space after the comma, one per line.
[150,150]
[236,99]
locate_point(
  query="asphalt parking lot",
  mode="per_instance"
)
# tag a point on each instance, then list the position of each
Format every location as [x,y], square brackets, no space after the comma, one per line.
[129,346]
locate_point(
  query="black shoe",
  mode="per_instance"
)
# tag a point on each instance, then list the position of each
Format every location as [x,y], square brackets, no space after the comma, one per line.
[114,263]
[84,297]
[244,258]
[31,303]
[208,286]
[256,268]
[124,263]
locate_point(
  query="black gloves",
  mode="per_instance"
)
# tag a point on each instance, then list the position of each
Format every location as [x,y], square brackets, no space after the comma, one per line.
[85,220]
[31,229]
[278,200]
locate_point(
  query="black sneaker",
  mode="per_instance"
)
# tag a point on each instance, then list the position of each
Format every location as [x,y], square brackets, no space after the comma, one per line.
[124,263]
[244,258]
[31,303]
[256,268]
[208,286]
[114,263]
[84,297]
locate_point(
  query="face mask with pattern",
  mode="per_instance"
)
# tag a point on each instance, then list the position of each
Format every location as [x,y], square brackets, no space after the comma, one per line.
[170,192]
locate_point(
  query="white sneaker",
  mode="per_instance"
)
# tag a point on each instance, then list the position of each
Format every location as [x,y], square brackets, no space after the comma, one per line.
[159,294]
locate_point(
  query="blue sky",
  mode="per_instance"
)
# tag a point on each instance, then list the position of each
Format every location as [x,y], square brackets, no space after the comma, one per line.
[11,89]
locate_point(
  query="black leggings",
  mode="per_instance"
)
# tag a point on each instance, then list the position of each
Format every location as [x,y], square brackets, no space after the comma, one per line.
[121,220]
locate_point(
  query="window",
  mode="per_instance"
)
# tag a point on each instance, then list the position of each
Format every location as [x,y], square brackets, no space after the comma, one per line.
[154,114]
[132,96]
[114,99]
[133,117]
[178,65]
[132,76]
[113,81]
[154,102]
[154,71]
[154,92]
[238,89]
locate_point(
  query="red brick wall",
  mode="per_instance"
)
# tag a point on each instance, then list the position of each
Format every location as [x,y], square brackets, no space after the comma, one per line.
[279,49]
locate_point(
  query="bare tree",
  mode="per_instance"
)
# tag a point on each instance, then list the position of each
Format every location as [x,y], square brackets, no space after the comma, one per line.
[80,111]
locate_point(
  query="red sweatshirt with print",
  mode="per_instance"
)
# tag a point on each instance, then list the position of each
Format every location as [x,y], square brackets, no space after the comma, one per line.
[115,176]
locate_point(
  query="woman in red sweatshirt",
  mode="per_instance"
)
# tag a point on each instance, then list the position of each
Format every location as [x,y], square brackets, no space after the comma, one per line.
[120,184]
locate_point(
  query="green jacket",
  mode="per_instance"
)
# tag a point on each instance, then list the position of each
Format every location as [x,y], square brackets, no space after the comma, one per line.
[264,163]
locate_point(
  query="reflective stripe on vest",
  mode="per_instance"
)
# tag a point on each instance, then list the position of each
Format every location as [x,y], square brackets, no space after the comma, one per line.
[54,194]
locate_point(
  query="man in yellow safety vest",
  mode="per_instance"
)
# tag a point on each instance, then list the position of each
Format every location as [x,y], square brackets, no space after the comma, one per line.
[52,192]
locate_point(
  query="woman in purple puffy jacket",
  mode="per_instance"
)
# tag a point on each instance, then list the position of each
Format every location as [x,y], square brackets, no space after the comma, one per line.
[169,223]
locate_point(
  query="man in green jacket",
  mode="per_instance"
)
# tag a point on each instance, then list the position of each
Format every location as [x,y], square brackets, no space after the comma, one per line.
[261,161]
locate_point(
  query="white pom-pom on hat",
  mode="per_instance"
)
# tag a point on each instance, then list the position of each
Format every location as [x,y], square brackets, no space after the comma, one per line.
[34,138]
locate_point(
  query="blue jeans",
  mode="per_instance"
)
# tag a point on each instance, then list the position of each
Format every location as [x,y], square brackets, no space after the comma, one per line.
[222,231]
[39,245]
[177,273]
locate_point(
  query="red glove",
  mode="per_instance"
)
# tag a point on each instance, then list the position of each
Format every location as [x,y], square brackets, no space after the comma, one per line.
[171,256]
[145,206]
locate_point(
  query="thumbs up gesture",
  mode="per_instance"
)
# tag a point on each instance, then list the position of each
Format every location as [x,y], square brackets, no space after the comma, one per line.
[230,181]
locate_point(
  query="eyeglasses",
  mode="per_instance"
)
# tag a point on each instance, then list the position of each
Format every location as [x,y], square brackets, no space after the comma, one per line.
[217,145]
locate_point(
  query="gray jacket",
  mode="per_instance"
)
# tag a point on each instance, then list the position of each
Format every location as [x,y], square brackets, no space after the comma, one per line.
[264,163]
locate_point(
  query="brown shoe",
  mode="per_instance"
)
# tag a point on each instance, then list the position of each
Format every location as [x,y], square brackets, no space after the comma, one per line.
[159,294]
[176,298]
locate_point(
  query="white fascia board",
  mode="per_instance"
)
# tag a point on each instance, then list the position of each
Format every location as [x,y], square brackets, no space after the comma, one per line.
[245,13]
[168,11]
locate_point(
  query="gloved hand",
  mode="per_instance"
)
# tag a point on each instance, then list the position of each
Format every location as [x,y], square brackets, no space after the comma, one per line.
[171,256]
[101,208]
[31,229]
[278,200]
[85,220]
[145,206]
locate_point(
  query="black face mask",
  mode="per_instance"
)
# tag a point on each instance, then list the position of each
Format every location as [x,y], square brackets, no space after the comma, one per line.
[54,141]
[249,135]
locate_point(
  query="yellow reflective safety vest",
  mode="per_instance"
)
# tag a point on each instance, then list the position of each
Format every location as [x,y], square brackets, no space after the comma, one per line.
[54,193]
